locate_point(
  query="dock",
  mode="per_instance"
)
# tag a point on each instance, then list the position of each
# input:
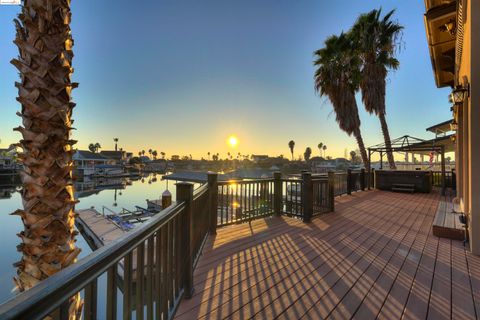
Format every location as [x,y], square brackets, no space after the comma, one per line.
[96,228]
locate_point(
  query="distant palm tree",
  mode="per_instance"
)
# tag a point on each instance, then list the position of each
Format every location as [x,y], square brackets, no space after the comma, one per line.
[143,152]
[163,154]
[93,147]
[116,142]
[376,40]
[139,153]
[291,145]
[208,154]
[320,146]
[324,148]
[150,152]
[337,77]
[307,154]
[154,153]
[353,156]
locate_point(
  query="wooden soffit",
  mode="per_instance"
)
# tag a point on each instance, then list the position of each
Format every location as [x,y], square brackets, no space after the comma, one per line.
[440,26]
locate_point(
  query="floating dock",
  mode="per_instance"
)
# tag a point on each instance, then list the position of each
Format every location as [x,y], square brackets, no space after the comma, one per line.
[96,228]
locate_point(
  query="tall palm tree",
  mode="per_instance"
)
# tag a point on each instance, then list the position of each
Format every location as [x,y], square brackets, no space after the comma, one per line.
[45,43]
[337,77]
[376,40]
[154,153]
[163,154]
[320,146]
[324,148]
[208,154]
[143,152]
[116,143]
[291,145]
[150,152]
[91,147]
[97,147]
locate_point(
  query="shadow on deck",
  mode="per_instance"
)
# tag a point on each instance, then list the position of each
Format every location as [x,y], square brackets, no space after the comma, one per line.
[375,256]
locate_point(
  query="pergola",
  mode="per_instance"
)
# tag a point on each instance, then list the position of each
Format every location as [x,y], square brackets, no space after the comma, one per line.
[439,145]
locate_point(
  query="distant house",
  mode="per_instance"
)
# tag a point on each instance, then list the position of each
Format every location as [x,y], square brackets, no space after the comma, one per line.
[321,165]
[7,158]
[175,157]
[158,165]
[144,159]
[85,162]
[259,157]
[119,157]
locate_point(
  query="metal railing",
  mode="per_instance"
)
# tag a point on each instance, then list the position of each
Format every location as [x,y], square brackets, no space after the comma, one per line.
[292,205]
[158,252]
[241,201]
[449,179]
[152,265]
[341,183]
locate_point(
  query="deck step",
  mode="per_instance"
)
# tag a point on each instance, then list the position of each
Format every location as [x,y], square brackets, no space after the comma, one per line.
[448,223]
[404,185]
[403,189]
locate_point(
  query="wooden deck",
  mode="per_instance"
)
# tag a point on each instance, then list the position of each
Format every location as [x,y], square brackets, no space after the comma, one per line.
[375,257]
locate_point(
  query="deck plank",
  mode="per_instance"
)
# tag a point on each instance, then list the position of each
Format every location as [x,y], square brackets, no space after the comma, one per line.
[376,256]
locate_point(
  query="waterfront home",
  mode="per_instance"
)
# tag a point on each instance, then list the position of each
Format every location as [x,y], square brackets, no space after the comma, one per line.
[452,36]
[86,161]
[7,158]
[157,165]
[119,157]
[259,157]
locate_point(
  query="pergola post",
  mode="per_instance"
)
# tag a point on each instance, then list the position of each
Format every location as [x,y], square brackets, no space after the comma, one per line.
[381,160]
[369,167]
[442,155]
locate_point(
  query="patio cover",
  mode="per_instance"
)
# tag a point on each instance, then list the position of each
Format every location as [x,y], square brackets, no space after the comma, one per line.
[414,145]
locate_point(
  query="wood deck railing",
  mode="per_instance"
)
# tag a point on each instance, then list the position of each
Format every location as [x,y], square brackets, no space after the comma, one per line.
[153,264]
[449,179]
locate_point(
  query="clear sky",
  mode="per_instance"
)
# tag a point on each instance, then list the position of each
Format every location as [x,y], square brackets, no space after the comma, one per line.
[181,76]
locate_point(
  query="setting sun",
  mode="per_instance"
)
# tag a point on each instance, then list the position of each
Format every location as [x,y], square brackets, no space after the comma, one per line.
[232,141]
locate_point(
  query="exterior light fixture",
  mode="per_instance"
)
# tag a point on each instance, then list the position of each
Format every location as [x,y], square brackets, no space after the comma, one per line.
[458,95]
[449,27]
[453,126]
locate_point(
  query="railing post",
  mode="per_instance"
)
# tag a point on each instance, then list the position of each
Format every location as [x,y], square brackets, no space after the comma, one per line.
[331,190]
[349,181]
[185,194]
[307,196]
[362,179]
[213,201]
[277,193]
[372,178]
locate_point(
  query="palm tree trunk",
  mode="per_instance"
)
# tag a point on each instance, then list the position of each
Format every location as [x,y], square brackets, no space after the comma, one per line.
[45,55]
[386,137]
[361,147]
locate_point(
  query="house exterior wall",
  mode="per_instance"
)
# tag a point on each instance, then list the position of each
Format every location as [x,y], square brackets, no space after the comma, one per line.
[468,135]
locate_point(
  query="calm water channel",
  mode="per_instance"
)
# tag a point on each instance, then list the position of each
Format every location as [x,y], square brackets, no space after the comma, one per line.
[114,194]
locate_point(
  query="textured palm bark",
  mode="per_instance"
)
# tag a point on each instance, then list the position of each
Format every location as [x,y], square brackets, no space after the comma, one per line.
[388,142]
[361,147]
[45,65]
[373,86]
